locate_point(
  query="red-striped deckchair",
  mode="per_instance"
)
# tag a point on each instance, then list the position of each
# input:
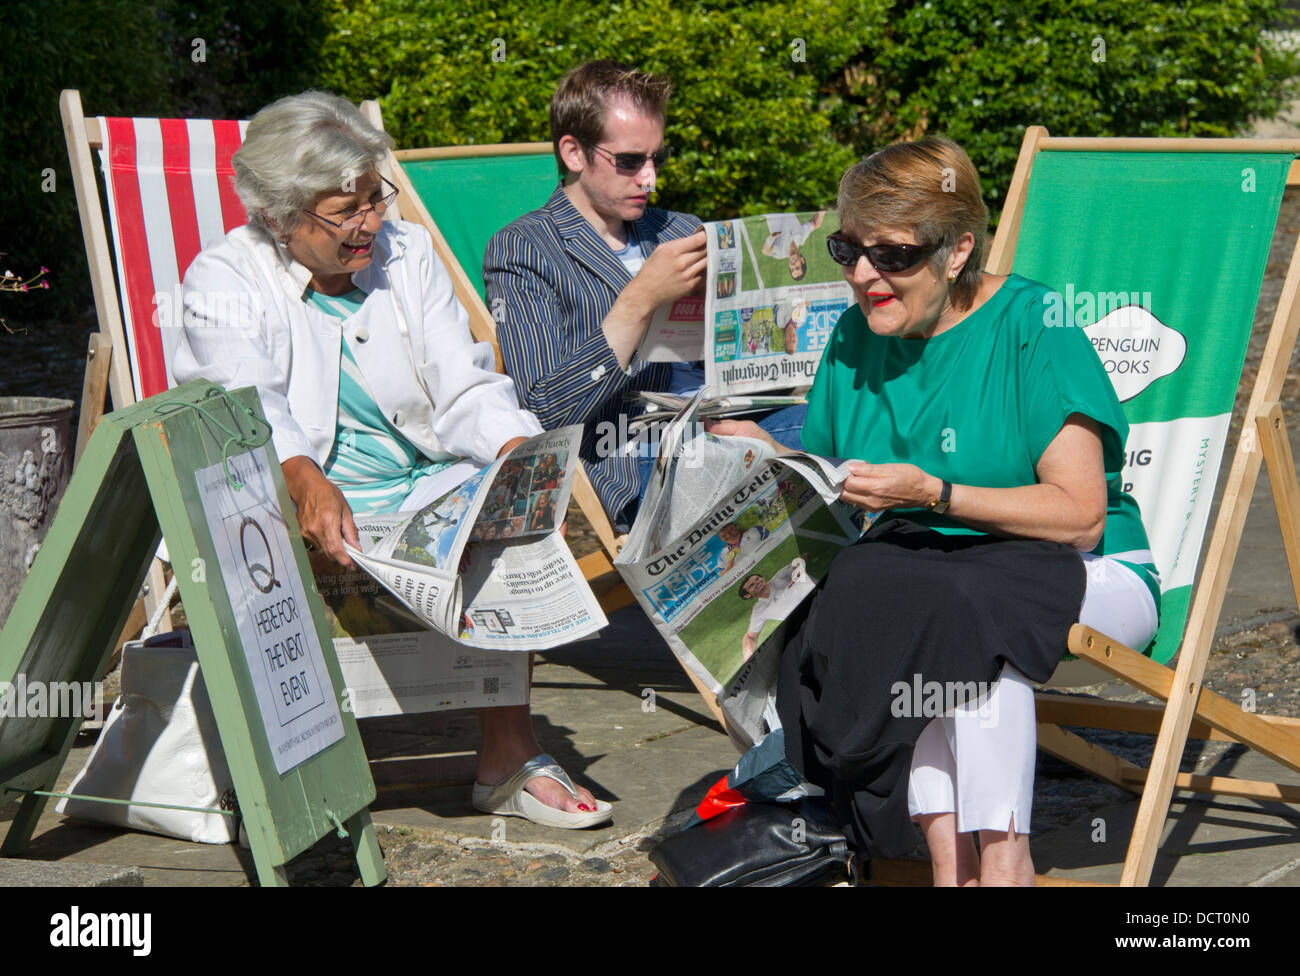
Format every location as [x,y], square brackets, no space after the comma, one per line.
[169,195]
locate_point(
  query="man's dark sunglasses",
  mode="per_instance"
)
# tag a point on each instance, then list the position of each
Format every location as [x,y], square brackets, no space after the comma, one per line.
[633,162]
[883,257]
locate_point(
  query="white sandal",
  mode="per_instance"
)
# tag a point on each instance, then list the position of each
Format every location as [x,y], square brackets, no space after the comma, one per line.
[509,798]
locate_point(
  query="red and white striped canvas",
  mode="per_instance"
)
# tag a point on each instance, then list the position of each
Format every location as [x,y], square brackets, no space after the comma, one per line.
[170,194]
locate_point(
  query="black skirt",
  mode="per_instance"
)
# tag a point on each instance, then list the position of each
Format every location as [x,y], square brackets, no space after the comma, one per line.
[907,604]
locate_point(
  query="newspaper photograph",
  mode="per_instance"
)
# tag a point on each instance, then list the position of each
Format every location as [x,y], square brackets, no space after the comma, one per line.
[772,298]
[485,564]
[730,540]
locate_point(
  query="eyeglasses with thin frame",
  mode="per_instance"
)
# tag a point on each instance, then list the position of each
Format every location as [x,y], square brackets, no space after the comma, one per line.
[889,258]
[358,217]
[626,162]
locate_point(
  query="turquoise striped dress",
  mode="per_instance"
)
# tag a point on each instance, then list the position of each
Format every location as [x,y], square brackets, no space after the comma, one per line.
[372,464]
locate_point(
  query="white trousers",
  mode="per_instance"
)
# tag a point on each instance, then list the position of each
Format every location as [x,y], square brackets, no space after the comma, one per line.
[978,761]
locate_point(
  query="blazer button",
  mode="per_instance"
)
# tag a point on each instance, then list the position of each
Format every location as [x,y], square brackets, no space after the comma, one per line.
[597,373]
[399,418]
[362,334]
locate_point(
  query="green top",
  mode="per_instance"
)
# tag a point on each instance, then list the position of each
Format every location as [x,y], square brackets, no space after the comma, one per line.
[371,462]
[975,405]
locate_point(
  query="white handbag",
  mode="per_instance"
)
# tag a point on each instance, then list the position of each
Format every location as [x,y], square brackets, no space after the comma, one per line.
[159,745]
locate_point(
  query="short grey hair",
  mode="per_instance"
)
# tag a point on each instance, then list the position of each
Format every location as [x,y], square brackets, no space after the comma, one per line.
[299,147]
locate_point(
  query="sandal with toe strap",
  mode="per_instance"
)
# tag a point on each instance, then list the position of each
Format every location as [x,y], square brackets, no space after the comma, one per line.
[509,798]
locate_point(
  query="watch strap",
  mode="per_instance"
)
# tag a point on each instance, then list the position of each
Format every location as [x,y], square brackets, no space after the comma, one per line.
[940,506]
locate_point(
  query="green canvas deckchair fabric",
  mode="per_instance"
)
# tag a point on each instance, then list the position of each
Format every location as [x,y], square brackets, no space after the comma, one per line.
[471,198]
[1160,258]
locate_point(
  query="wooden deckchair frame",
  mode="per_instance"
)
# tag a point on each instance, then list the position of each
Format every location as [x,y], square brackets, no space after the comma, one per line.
[108,361]
[1190,708]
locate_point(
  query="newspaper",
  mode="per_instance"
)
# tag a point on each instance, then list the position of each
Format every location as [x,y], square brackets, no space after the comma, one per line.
[729,540]
[485,564]
[772,298]
[662,407]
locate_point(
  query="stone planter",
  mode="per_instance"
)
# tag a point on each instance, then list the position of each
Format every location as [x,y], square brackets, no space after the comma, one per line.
[35,465]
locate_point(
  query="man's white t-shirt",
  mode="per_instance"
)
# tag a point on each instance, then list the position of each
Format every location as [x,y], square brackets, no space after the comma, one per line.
[749,541]
[788,588]
[782,231]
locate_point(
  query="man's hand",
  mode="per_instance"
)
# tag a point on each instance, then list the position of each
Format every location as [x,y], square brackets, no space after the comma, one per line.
[323,512]
[675,269]
[877,487]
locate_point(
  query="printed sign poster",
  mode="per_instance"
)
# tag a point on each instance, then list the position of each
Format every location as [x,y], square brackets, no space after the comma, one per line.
[294,693]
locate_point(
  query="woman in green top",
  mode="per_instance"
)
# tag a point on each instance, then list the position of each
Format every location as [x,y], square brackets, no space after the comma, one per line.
[977,427]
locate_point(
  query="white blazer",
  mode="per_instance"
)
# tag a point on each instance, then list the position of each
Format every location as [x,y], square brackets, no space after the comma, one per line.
[245,324]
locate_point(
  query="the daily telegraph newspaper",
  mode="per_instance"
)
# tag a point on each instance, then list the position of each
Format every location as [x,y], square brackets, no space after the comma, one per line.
[730,538]
[772,297]
[485,563]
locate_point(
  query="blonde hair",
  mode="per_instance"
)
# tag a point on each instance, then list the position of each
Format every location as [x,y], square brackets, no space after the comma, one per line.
[929,186]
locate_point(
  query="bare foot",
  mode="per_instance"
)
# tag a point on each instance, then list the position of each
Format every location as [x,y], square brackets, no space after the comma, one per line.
[553,794]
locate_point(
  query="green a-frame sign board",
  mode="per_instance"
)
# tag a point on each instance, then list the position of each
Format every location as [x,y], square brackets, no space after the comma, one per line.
[143,474]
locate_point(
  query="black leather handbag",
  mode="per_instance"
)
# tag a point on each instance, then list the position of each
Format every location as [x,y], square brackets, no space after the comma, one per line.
[757,845]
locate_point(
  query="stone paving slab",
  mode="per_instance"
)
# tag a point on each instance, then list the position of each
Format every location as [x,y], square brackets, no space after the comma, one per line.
[649,761]
[1207,841]
[25,873]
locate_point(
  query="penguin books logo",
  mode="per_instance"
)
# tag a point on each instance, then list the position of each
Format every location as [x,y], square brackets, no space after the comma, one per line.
[75,930]
[1136,349]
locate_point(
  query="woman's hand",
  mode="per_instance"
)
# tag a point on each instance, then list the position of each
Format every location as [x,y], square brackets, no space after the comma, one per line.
[510,445]
[323,512]
[741,428]
[877,487]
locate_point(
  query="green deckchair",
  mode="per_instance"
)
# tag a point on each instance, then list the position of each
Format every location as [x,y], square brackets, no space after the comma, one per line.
[1158,247]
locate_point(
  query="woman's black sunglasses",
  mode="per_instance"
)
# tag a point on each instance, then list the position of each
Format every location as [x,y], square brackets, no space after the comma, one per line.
[883,257]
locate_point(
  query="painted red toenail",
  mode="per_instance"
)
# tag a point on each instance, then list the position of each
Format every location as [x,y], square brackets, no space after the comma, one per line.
[584,808]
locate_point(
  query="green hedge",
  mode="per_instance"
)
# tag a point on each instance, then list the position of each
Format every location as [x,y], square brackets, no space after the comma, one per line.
[113,52]
[982,70]
[759,130]
[773,98]
[748,120]
[127,57]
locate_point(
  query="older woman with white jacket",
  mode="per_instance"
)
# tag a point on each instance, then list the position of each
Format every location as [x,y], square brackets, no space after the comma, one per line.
[350,330]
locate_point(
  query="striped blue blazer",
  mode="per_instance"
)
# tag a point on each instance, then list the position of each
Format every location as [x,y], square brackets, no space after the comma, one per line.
[550,282]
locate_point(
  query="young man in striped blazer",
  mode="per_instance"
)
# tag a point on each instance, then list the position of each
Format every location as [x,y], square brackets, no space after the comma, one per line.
[573,286]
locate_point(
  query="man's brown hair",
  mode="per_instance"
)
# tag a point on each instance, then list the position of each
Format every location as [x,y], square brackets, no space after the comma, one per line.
[583,95]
